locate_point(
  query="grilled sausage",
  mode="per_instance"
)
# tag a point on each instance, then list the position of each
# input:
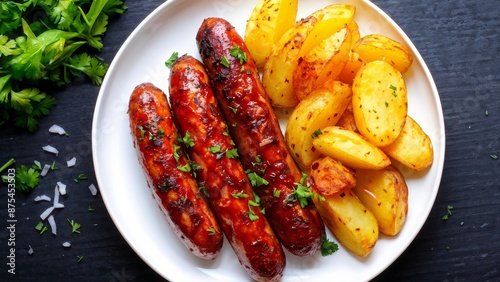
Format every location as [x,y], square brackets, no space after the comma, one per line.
[219,171]
[255,129]
[174,188]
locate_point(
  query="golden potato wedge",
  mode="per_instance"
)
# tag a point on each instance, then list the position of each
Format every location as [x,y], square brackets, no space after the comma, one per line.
[325,61]
[320,109]
[354,29]
[354,226]
[353,64]
[277,76]
[350,148]
[269,20]
[385,194]
[329,177]
[373,47]
[413,147]
[380,102]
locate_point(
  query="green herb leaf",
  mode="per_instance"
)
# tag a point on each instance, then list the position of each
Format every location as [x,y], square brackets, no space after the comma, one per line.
[186,140]
[493,156]
[224,62]
[240,195]
[171,60]
[233,153]
[238,54]
[328,247]
[255,179]
[448,213]
[214,149]
[75,227]
[316,133]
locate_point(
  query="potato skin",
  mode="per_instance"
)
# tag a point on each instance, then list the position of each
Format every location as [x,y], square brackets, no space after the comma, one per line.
[307,33]
[385,193]
[380,102]
[269,20]
[373,47]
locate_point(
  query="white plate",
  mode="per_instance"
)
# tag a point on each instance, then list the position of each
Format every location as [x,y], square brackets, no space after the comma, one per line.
[172,27]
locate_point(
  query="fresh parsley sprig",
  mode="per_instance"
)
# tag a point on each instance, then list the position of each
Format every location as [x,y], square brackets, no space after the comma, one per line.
[51,47]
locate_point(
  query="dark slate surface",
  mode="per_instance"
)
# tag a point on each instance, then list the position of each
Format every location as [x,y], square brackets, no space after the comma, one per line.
[460,42]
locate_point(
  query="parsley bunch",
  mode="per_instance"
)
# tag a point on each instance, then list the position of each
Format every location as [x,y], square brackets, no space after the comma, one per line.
[46,42]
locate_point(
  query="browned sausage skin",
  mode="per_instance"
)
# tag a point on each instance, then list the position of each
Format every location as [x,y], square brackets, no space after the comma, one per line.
[174,188]
[255,129]
[220,172]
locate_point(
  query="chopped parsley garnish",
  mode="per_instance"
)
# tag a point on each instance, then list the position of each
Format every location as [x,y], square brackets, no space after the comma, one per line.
[80,176]
[214,149]
[186,140]
[486,113]
[211,231]
[448,213]
[224,62]
[240,195]
[203,190]
[171,60]
[276,193]
[302,192]
[255,179]
[316,133]
[161,133]
[493,156]
[79,258]
[328,247]
[151,136]
[75,227]
[233,153]
[185,168]
[90,208]
[255,203]
[238,54]
[142,132]
[176,153]
[41,227]
[234,110]
[53,166]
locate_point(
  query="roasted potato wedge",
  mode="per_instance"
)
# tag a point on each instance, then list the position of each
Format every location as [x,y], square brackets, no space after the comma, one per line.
[269,20]
[350,148]
[325,61]
[373,47]
[329,177]
[277,76]
[353,64]
[385,194]
[380,102]
[413,147]
[320,109]
[354,226]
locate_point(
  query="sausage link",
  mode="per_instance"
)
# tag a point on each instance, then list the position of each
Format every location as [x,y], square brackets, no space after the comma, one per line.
[255,128]
[163,161]
[219,171]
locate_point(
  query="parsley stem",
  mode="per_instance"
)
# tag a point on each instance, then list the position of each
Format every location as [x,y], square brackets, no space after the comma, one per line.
[7,164]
